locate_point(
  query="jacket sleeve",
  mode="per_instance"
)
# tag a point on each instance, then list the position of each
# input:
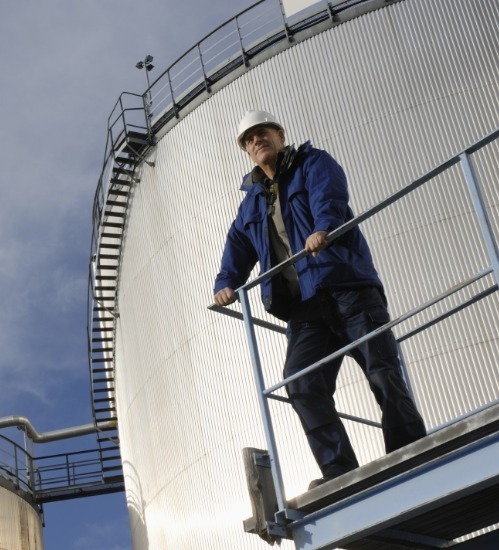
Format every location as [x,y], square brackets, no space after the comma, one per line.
[238,259]
[327,188]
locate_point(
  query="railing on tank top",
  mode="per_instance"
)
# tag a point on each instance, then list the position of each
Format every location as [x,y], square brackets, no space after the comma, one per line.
[250,322]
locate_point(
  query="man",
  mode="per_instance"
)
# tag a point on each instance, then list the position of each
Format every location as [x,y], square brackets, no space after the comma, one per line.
[331,297]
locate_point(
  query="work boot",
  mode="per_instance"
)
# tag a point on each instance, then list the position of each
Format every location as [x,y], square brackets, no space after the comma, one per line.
[331,472]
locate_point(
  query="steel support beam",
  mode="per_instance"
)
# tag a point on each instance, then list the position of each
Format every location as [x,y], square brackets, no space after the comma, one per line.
[422,489]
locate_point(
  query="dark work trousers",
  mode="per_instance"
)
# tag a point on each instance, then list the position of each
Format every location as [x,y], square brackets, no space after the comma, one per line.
[318,327]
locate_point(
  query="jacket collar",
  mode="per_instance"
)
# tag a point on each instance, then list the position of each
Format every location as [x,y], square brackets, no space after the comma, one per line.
[285,160]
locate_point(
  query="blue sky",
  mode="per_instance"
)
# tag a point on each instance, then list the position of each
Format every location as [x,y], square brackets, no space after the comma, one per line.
[63,65]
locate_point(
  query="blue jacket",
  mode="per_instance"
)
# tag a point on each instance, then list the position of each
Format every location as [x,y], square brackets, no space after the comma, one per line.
[313,194]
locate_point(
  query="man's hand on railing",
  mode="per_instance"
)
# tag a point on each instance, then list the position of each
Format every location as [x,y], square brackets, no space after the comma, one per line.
[225,296]
[316,242]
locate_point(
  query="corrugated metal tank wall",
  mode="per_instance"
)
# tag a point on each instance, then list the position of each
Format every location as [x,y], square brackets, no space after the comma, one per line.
[20,522]
[390,94]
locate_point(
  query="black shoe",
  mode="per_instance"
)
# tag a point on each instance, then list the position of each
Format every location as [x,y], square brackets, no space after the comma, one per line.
[316,482]
[331,473]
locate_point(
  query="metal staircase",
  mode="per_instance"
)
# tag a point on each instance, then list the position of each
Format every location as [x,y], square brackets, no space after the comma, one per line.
[126,148]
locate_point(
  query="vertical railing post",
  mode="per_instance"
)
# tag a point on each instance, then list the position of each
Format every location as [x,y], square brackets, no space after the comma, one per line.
[262,400]
[481,212]
[68,470]
[31,473]
[174,105]
[243,53]
[206,83]
[284,21]
[18,483]
[147,102]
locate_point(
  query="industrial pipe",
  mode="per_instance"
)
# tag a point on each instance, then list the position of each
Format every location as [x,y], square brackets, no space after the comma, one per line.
[56,435]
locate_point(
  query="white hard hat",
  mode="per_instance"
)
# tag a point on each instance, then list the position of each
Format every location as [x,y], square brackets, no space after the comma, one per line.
[252,119]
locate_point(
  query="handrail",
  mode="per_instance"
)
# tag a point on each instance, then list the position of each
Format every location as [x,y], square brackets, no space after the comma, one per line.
[26,472]
[17,465]
[384,328]
[490,245]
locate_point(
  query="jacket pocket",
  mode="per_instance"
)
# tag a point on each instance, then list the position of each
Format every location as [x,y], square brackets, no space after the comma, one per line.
[385,342]
[253,213]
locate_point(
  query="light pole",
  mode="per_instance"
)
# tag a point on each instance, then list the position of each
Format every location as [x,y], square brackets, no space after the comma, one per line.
[148,66]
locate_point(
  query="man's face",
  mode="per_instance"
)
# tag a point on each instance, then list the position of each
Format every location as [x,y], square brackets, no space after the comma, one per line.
[263,143]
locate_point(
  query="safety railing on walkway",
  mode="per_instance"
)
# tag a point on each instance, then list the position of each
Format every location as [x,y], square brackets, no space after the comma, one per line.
[16,465]
[55,477]
[233,45]
[265,393]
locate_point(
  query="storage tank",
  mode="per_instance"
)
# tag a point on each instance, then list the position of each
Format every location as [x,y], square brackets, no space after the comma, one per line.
[390,89]
[20,521]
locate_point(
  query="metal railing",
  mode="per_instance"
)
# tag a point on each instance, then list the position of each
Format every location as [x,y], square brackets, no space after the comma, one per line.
[492,250]
[16,465]
[66,471]
[47,477]
[233,45]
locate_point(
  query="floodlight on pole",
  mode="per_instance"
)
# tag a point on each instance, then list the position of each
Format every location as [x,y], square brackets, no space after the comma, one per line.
[148,66]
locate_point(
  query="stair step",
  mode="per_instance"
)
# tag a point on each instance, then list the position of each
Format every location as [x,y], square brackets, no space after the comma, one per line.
[113,479]
[139,136]
[100,371]
[119,192]
[108,339]
[106,277]
[105,420]
[113,224]
[124,160]
[118,181]
[114,457]
[105,288]
[113,214]
[111,468]
[102,380]
[110,448]
[123,204]
[102,359]
[106,409]
[124,171]
[107,267]
[104,400]
[109,256]
[102,319]
[103,329]
[106,235]
[101,390]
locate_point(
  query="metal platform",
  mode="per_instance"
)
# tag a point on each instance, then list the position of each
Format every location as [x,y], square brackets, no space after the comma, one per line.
[425,495]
